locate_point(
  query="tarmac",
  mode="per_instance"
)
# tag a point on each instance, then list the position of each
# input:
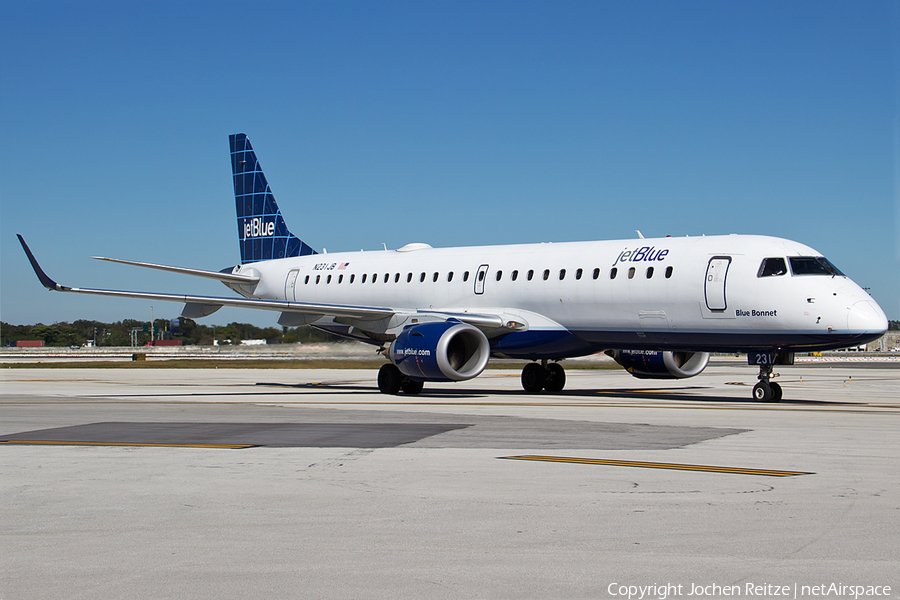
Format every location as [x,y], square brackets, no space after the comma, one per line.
[304,483]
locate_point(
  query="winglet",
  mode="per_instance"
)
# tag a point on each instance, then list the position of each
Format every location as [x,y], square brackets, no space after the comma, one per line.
[45,280]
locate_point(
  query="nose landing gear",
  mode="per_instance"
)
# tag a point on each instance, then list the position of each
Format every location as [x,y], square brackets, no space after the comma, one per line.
[766,390]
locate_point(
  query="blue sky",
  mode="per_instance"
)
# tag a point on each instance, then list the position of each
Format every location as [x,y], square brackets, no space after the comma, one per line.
[452,123]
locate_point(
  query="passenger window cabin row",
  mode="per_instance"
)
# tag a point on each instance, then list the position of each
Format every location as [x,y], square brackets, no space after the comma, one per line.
[498,275]
[770,267]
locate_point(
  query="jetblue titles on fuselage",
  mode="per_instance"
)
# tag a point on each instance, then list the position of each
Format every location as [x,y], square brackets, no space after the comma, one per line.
[642,254]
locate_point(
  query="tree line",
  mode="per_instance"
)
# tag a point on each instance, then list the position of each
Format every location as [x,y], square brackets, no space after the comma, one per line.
[191,333]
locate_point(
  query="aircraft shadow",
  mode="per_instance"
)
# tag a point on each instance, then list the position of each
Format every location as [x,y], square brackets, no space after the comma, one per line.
[673,395]
[681,394]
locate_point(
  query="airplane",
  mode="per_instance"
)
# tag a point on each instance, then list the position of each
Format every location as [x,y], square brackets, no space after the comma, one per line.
[658,306]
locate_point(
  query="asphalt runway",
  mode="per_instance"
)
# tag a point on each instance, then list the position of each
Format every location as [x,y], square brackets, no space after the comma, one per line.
[170,483]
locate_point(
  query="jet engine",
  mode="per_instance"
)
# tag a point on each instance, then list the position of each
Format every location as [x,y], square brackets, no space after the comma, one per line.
[652,364]
[445,351]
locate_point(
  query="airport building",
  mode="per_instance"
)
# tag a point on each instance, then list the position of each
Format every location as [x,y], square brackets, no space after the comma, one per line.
[889,342]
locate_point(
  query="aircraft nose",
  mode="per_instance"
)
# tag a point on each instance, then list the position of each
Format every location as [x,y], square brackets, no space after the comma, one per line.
[867,316]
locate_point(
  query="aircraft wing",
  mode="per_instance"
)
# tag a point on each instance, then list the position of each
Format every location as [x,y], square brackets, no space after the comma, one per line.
[200,306]
[212,303]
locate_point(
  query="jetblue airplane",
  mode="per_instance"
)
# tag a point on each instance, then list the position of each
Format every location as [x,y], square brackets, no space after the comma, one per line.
[658,307]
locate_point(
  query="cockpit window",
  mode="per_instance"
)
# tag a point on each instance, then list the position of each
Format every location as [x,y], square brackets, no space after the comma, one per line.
[813,265]
[771,267]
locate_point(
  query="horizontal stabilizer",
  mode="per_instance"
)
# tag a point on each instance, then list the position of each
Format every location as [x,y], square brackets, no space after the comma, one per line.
[219,275]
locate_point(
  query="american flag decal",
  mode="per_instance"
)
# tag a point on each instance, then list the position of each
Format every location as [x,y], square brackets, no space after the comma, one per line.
[343,266]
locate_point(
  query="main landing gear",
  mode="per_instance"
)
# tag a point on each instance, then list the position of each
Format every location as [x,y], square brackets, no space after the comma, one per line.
[543,376]
[392,381]
[766,390]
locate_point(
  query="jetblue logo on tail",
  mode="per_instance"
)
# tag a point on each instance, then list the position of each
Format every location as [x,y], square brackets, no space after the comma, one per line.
[258,228]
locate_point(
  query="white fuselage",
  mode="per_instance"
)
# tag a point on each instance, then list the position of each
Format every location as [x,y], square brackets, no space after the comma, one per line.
[692,293]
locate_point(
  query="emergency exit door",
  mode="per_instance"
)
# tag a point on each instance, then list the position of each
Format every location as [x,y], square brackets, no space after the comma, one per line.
[480,276]
[289,285]
[716,272]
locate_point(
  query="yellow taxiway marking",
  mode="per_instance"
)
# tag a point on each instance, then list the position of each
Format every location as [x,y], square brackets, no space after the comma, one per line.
[655,465]
[132,444]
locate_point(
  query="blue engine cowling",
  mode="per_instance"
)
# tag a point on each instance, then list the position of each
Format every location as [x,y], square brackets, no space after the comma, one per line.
[445,351]
[652,364]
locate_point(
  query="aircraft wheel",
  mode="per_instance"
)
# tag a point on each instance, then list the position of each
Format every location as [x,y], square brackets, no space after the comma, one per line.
[556,378]
[390,379]
[763,392]
[411,387]
[776,392]
[533,376]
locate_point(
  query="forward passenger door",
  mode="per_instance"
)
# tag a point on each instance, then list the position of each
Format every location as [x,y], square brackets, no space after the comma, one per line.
[714,286]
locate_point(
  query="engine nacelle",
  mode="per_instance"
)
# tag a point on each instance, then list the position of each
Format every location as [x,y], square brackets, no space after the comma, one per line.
[445,351]
[652,364]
